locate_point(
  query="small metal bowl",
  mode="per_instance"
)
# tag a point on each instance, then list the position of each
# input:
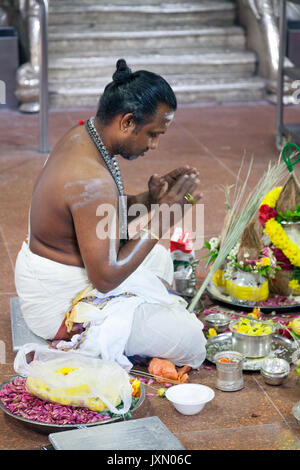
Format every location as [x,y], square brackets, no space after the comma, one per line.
[274,370]
[218,321]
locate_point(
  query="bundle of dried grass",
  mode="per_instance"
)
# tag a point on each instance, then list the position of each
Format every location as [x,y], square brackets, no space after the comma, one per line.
[244,207]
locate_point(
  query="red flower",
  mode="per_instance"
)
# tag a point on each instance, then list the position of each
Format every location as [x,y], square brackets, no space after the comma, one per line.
[80,122]
[265,213]
[283,261]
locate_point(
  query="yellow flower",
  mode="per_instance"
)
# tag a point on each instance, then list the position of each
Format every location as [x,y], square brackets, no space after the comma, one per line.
[280,240]
[264,261]
[268,329]
[294,284]
[135,387]
[271,197]
[65,370]
[212,332]
[252,315]
[257,328]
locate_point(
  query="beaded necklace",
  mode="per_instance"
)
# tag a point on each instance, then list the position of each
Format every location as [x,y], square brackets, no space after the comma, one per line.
[113,167]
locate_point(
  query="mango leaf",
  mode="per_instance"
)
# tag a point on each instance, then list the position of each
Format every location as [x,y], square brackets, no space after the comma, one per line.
[206,245]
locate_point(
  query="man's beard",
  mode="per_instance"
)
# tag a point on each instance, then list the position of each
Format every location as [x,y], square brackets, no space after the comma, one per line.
[128,155]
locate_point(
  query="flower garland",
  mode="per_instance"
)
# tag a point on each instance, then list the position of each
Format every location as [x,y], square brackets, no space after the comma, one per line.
[276,234]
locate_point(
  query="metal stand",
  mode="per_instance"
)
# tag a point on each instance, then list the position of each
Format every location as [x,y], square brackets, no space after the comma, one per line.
[44,131]
[285,132]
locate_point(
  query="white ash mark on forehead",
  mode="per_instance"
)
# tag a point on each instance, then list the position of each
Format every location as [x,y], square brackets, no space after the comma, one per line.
[169,118]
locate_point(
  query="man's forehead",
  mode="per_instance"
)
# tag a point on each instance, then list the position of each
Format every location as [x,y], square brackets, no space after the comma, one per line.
[162,118]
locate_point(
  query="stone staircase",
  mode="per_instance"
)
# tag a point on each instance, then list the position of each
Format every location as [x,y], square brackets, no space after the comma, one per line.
[195,44]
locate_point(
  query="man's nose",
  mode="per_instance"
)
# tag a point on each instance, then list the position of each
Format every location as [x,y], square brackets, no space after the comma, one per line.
[153,143]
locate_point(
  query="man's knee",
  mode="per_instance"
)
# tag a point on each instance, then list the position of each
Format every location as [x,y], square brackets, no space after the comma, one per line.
[196,350]
[159,261]
[190,349]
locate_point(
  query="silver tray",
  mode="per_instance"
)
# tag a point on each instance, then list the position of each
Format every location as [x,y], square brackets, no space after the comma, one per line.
[47,428]
[282,347]
[223,299]
[296,411]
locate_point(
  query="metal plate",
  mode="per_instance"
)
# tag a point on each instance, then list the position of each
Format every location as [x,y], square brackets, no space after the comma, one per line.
[296,411]
[137,434]
[47,428]
[21,334]
[282,347]
[223,299]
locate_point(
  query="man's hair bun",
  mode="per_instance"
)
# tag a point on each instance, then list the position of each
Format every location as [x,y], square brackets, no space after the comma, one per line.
[138,93]
[123,72]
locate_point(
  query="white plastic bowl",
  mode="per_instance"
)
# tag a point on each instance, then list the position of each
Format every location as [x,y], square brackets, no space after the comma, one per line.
[189,399]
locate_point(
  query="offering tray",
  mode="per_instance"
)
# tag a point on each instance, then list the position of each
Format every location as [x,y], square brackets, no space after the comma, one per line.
[47,428]
[296,411]
[281,347]
[223,299]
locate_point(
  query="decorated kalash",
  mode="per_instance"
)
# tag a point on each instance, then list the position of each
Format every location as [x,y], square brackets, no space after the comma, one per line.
[262,269]
[254,275]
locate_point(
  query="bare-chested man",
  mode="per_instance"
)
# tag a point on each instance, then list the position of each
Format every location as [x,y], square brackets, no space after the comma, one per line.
[102,294]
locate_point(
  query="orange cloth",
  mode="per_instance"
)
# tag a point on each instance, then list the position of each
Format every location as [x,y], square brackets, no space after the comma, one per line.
[167,370]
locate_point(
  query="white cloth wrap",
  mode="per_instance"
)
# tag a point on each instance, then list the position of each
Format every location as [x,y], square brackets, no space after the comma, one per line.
[154,323]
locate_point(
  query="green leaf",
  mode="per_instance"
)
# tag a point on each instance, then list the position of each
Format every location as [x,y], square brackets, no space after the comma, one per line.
[206,256]
[293,216]
[206,245]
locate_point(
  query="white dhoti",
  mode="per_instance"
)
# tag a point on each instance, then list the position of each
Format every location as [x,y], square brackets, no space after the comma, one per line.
[139,317]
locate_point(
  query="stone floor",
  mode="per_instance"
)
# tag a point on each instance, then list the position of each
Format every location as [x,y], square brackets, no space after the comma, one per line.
[214,139]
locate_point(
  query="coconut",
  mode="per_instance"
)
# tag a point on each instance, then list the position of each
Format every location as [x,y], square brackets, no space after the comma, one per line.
[289,197]
[251,244]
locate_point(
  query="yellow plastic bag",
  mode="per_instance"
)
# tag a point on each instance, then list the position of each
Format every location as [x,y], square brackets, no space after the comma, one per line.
[69,378]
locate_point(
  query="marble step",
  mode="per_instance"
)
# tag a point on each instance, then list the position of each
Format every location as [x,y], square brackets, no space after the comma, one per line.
[224,63]
[72,3]
[120,42]
[85,95]
[112,16]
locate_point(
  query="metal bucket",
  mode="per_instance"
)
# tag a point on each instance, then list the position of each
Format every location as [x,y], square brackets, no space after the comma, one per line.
[251,345]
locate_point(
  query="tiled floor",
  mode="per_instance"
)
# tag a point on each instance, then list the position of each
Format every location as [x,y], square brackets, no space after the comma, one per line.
[214,139]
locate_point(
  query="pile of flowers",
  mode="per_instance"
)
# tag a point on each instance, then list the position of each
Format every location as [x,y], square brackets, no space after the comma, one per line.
[266,265]
[18,401]
[246,327]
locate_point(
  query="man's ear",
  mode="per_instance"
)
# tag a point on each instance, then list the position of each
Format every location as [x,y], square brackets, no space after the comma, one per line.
[127,123]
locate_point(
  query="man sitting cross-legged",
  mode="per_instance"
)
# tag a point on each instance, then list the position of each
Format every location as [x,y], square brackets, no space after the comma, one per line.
[87,287]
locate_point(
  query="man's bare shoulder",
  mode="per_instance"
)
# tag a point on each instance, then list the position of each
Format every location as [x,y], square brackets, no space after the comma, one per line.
[76,152]
[77,170]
